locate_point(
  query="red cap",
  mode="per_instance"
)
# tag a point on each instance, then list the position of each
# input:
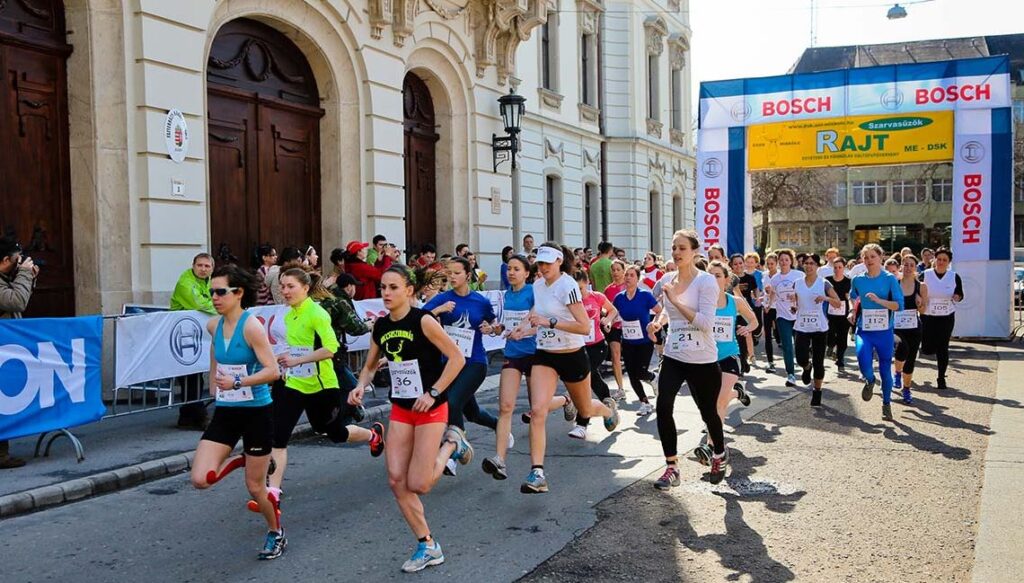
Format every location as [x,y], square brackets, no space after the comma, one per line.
[354,247]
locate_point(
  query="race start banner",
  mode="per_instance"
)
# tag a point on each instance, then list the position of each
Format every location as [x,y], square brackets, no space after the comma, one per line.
[851,141]
[886,115]
[50,374]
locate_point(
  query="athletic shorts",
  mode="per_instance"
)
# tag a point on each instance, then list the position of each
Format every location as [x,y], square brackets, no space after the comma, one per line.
[253,425]
[322,408]
[614,335]
[571,367]
[521,363]
[438,414]
[730,365]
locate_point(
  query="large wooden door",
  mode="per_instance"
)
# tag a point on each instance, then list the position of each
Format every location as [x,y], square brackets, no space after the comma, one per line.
[420,165]
[264,142]
[35,187]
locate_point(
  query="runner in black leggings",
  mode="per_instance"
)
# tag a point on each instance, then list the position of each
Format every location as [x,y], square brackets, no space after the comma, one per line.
[771,330]
[838,324]
[601,313]
[908,328]
[945,290]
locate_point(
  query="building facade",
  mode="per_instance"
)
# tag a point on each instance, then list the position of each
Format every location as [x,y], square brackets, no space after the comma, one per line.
[607,148]
[901,205]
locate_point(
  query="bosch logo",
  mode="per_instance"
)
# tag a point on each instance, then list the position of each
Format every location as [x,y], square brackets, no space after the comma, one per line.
[972,152]
[741,111]
[187,341]
[712,168]
[892,99]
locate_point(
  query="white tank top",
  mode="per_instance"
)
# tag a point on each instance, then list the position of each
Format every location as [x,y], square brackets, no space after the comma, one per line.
[940,293]
[810,315]
[686,342]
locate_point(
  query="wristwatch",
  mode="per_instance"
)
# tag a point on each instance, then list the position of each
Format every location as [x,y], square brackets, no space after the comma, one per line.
[238,383]
[434,393]
[552,322]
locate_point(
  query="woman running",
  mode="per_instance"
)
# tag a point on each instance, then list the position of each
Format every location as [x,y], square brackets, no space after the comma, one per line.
[560,322]
[310,385]
[614,336]
[781,289]
[771,329]
[838,324]
[635,305]
[518,363]
[241,366]
[812,325]
[945,290]
[268,260]
[652,272]
[907,323]
[726,329]
[751,266]
[602,314]
[466,315]
[878,294]
[691,356]
[423,362]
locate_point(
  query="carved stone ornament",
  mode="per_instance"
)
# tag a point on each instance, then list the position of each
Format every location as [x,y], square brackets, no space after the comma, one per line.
[589,113]
[588,15]
[678,137]
[654,127]
[678,47]
[550,98]
[381,15]
[552,151]
[656,31]
[448,9]
[592,158]
[657,165]
[404,21]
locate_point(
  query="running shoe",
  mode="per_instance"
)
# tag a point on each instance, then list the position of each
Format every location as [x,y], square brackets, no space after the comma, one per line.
[868,390]
[376,439]
[273,546]
[451,468]
[578,432]
[816,398]
[619,395]
[495,467]
[511,440]
[645,409]
[941,383]
[840,367]
[463,450]
[745,367]
[741,394]
[610,423]
[908,399]
[897,381]
[535,483]
[770,368]
[569,410]
[791,381]
[669,479]
[526,417]
[703,453]
[887,411]
[426,555]
[806,377]
[718,468]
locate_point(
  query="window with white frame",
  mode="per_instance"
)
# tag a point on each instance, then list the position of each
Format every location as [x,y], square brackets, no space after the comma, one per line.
[909,191]
[655,221]
[549,53]
[942,190]
[655,30]
[552,206]
[839,195]
[653,87]
[677,212]
[868,192]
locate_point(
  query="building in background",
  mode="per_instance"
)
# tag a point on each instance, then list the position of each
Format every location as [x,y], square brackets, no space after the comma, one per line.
[607,144]
[897,205]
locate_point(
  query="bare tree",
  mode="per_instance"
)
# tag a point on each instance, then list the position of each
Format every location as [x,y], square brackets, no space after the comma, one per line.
[794,191]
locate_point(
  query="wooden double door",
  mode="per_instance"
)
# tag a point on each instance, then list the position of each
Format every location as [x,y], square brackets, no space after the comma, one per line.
[420,164]
[35,186]
[264,144]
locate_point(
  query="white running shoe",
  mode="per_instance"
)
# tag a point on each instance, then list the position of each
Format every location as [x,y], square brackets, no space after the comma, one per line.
[578,432]
[450,467]
[645,409]
[511,440]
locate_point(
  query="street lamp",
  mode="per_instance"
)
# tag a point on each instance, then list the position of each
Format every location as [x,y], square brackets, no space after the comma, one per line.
[512,107]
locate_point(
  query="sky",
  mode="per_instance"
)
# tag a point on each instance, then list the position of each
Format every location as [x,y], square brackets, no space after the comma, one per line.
[755,38]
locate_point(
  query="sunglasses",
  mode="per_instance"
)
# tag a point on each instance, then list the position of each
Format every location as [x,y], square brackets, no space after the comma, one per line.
[223,291]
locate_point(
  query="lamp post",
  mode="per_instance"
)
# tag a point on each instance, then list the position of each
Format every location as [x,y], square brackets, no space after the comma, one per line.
[512,107]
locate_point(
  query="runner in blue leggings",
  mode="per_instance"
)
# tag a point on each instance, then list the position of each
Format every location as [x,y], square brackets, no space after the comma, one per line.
[878,295]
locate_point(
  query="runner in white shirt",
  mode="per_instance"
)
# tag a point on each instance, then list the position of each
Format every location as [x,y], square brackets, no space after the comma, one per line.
[812,325]
[782,291]
[945,291]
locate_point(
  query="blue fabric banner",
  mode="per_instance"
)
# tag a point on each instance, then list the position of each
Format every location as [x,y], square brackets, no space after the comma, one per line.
[50,374]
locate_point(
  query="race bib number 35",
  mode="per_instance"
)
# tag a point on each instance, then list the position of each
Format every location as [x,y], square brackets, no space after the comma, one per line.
[875,320]
[406,382]
[549,339]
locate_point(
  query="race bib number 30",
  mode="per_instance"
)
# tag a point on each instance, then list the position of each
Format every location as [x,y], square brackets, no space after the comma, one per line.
[406,382]
[463,337]
[723,328]
[875,320]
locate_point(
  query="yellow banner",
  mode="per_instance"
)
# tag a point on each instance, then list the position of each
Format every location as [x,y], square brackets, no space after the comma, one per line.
[851,141]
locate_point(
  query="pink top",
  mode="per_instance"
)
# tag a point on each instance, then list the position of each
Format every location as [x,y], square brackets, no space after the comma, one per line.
[610,292]
[594,302]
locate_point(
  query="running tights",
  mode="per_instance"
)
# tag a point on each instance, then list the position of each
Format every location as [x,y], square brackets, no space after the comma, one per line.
[937,332]
[878,343]
[907,344]
[838,335]
[637,358]
[705,381]
[596,354]
[770,334]
[786,335]
[462,405]
[810,351]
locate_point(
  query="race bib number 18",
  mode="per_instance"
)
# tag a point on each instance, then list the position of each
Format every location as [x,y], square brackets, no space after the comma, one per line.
[723,328]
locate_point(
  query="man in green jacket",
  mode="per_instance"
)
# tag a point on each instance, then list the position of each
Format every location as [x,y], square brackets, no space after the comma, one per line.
[192,292]
[601,268]
[17,278]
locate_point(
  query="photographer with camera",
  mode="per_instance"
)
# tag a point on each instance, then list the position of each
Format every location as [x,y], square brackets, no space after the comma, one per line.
[17,279]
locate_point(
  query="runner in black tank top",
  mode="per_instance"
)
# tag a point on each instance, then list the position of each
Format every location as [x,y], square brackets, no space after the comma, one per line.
[908,328]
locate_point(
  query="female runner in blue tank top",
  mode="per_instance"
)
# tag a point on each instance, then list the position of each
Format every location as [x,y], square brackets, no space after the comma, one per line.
[879,295]
[241,366]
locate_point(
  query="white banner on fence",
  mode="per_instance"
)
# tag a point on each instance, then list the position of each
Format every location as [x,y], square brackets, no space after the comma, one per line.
[171,344]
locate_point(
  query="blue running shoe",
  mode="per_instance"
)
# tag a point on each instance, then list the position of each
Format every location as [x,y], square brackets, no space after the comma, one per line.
[426,555]
[535,483]
[610,423]
[463,450]
[273,546]
[907,398]
[897,381]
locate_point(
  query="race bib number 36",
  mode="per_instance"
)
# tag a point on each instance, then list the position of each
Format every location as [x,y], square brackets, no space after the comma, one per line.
[875,320]
[406,382]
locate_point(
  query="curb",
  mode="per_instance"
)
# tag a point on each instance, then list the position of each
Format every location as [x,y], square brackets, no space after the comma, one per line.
[43,497]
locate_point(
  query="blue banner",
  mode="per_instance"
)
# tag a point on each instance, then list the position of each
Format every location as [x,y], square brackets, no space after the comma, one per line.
[50,374]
